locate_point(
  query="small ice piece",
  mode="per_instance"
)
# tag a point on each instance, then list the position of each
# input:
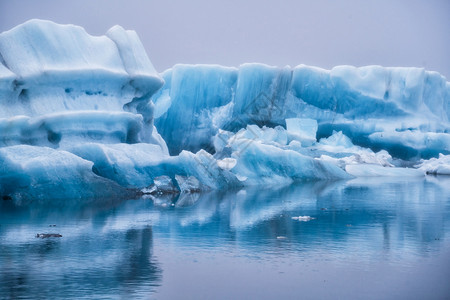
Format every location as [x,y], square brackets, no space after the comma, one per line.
[337,141]
[436,166]
[47,235]
[161,185]
[303,218]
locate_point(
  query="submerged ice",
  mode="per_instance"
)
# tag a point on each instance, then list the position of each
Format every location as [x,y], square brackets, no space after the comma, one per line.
[86,116]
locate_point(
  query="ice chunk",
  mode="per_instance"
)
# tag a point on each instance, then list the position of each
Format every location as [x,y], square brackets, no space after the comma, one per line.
[337,141]
[128,165]
[188,184]
[259,163]
[137,165]
[303,218]
[264,161]
[161,185]
[202,166]
[339,149]
[437,166]
[30,173]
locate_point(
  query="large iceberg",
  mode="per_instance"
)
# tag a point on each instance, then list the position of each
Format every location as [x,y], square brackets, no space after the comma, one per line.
[88,117]
[48,70]
[403,110]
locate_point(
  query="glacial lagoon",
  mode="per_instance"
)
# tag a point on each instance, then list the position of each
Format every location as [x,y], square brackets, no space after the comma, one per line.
[366,238]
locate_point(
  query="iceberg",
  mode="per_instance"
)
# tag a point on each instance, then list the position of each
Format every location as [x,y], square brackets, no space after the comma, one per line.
[89,117]
[62,91]
[376,107]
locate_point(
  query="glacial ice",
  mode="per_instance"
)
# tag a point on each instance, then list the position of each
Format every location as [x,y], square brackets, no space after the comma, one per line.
[277,161]
[190,108]
[89,117]
[32,173]
[375,107]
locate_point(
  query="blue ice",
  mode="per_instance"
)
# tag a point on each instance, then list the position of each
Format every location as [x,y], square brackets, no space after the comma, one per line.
[82,116]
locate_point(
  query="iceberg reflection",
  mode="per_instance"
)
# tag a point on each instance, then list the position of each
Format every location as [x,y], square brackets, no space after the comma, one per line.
[122,248]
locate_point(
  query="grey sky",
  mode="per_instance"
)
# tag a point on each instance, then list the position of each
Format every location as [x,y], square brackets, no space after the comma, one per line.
[323,33]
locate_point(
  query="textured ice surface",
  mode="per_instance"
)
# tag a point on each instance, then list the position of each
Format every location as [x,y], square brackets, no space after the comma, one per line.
[192,105]
[437,166]
[369,170]
[259,156]
[47,69]
[81,117]
[39,173]
[302,130]
[71,127]
[375,107]
[128,165]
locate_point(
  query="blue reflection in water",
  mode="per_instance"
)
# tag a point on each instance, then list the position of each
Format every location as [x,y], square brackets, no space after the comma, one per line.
[368,238]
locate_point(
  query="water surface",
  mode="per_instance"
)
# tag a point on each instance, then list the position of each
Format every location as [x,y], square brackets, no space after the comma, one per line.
[369,238]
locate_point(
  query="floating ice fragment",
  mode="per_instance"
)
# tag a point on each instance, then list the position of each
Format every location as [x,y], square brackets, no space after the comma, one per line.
[48,235]
[303,218]
[437,166]
[161,185]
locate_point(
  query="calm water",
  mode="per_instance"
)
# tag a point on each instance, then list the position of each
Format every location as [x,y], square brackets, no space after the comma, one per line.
[370,239]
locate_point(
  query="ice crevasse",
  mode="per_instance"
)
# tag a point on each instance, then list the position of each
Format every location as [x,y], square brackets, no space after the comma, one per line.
[88,117]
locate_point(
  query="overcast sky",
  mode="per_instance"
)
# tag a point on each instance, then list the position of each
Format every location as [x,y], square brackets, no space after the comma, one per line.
[323,33]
